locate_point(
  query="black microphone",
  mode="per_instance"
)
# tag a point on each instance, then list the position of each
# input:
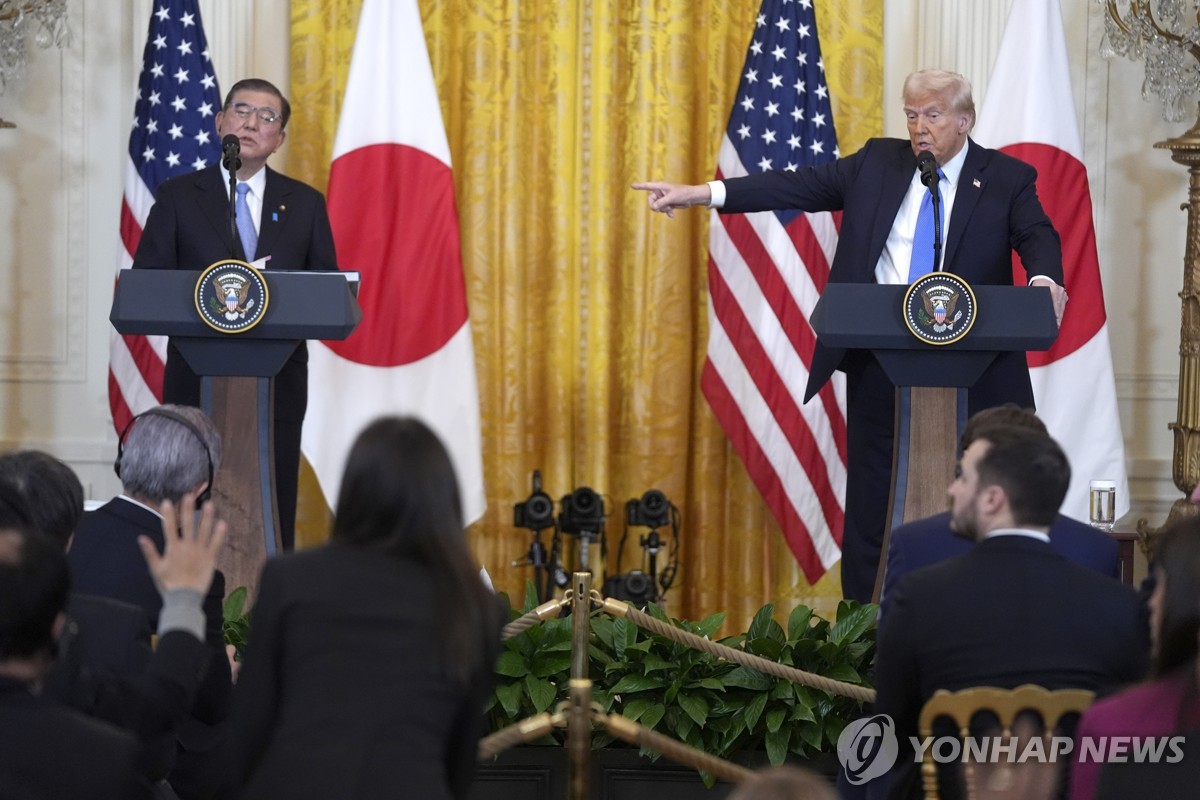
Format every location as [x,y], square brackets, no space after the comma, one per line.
[928,166]
[231,150]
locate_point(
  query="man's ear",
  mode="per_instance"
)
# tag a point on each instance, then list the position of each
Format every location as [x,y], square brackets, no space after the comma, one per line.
[992,499]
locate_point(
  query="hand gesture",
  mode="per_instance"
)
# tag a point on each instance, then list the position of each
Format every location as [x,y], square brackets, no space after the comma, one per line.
[190,556]
[666,197]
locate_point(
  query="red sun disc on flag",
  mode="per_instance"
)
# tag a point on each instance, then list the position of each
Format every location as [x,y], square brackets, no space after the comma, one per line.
[1063,189]
[402,236]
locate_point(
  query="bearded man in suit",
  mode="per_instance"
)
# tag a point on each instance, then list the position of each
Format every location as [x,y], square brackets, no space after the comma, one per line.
[1011,611]
[188,228]
[990,208]
[927,541]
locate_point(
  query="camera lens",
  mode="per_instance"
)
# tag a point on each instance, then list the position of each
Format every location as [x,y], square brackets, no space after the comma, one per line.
[539,509]
[637,584]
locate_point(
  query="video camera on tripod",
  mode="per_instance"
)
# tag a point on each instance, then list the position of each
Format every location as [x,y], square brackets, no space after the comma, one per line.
[536,513]
[642,586]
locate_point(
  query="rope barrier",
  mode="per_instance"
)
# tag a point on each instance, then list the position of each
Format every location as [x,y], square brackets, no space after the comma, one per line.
[543,612]
[644,620]
[635,733]
[521,732]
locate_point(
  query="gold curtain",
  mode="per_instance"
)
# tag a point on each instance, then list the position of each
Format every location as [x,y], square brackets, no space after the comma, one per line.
[588,312]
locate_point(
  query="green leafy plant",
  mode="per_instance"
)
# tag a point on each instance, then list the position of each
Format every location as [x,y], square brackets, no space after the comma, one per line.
[706,702]
[237,619]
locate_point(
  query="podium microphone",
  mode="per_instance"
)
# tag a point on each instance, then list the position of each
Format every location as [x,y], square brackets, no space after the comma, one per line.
[231,150]
[929,176]
[925,161]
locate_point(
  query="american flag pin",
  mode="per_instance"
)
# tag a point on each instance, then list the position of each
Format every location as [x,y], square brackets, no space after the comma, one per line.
[976,183]
[274,217]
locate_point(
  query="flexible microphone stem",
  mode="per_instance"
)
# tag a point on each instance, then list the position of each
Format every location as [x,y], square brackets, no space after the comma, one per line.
[930,178]
[231,150]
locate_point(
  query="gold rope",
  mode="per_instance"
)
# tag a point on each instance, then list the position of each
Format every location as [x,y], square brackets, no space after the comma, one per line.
[643,620]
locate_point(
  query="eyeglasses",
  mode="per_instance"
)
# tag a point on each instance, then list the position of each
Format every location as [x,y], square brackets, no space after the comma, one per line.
[266,115]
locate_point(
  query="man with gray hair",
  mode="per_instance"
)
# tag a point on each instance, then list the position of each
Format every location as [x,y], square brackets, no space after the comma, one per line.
[167,453]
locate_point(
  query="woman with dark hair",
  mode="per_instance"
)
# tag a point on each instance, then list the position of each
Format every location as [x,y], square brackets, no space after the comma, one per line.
[1170,702]
[370,658]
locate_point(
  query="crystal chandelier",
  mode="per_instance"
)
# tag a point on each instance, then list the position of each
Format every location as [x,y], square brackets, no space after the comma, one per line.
[1167,38]
[47,19]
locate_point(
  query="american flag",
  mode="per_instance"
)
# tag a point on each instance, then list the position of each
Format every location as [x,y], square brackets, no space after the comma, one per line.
[765,273]
[173,133]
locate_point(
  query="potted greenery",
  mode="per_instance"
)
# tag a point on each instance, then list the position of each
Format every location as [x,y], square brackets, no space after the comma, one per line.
[706,702]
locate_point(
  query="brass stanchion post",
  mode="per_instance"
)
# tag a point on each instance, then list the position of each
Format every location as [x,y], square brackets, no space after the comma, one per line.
[579,712]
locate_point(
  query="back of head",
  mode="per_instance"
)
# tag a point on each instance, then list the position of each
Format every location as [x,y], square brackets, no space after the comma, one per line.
[950,85]
[34,583]
[399,493]
[1177,563]
[48,489]
[167,452]
[1030,467]
[1008,414]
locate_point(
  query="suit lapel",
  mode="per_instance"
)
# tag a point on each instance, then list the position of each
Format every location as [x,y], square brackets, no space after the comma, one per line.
[896,177]
[212,196]
[274,215]
[971,183]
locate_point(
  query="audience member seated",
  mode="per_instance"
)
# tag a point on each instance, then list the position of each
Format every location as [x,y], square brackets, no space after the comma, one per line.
[1011,611]
[105,667]
[1170,703]
[370,658]
[49,750]
[784,783]
[927,541]
[163,455]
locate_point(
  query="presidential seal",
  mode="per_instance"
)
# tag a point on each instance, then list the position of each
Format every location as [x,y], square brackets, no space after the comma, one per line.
[231,296]
[939,308]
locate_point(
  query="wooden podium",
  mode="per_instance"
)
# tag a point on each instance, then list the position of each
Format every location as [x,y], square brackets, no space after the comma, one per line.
[237,382]
[931,380]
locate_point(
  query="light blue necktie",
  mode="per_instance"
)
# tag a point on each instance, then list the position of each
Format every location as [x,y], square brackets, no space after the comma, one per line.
[245,222]
[922,249]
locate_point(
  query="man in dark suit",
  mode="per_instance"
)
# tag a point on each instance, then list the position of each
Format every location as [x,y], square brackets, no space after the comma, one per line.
[990,208]
[188,228]
[1011,611]
[928,541]
[170,453]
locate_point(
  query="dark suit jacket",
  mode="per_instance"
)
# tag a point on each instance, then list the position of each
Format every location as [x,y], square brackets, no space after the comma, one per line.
[106,560]
[188,228]
[340,695]
[996,211]
[928,541]
[50,752]
[106,670]
[1011,611]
